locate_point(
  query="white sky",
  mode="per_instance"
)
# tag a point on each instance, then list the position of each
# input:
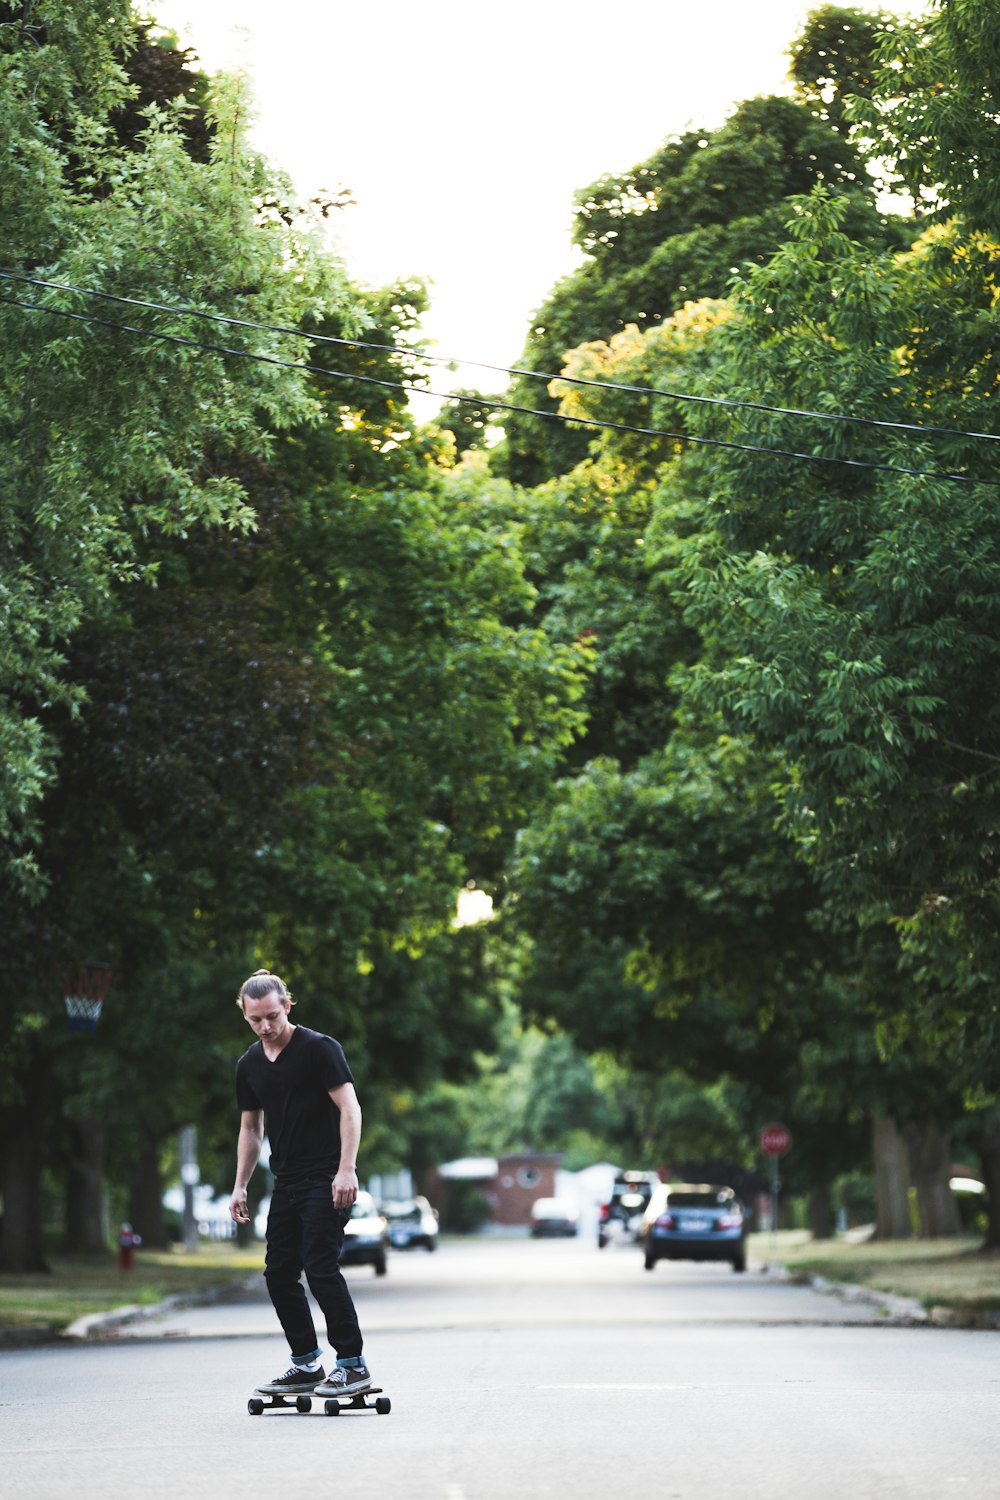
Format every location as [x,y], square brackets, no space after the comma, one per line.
[464,133]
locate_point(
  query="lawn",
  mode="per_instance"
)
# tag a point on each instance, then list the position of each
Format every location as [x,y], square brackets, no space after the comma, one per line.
[937,1273]
[78,1286]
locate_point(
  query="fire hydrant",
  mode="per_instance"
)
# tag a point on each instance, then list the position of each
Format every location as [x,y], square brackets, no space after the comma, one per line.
[127,1242]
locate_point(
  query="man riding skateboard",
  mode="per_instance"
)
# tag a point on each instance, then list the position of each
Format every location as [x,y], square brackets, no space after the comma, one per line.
[299,1081]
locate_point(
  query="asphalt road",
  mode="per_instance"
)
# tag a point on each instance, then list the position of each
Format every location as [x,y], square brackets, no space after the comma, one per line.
[523,1369]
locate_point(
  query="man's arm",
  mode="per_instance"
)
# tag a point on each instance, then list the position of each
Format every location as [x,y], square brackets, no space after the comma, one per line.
[345,1184]
[248,1145]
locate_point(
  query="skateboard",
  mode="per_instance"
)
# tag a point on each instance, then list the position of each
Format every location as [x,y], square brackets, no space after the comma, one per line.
[263,1401]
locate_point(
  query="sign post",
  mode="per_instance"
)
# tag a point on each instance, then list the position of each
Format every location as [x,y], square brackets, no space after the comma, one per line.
[775,1141]
[190,1178]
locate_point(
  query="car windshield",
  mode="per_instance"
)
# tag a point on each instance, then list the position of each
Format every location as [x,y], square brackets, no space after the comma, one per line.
[364,1208]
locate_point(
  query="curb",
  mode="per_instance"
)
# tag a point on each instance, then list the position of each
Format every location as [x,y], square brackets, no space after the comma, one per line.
[960,1317]
[102,1322]
[29,1336]
[92,1325]
[901,1310]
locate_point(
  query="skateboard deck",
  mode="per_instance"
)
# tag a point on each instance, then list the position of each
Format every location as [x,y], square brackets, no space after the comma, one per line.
[372,1399]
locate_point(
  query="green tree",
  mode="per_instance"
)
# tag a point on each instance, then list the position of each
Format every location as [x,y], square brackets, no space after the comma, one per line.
[857,600]
[674,230]
[108,436]
[295,749]
[931,114]
[283,752]
[861,640]
[468,420]
[833,60]
[120,175]
[573,876]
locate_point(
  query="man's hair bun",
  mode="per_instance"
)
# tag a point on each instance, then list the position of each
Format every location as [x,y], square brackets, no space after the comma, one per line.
[263,982]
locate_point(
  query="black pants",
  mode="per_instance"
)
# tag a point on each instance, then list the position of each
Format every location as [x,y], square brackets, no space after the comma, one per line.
[305,1233]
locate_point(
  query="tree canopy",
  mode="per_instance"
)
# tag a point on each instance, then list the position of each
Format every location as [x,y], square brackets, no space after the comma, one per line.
[278,696]
[817,537]
[111,435]
[679,225]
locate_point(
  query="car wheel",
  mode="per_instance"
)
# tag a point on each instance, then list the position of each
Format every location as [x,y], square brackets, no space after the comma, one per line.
[602,1240]
[380,1265]
[649,1261]
[430,1245]
[740,1262]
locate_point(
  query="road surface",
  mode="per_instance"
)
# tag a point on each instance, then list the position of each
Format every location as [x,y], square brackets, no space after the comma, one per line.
[523,1369]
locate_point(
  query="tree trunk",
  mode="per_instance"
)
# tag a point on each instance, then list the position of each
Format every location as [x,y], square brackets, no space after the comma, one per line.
[930,1168]
[892,1180]
[146,1196]
[21,1244]
[821,1213]
[86,1201]
[988,1146]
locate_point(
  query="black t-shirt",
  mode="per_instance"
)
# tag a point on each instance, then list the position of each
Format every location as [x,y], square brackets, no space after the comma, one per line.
[303,1123]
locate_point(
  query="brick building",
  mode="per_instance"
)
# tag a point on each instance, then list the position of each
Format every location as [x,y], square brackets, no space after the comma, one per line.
[510,1184]
[519,1181]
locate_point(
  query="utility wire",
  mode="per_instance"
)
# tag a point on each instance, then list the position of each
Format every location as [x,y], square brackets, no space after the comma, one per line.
[397,385]
[443,359]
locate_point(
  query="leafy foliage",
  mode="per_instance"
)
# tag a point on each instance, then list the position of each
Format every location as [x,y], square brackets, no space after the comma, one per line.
[109,436]
[677,227]
[932,115]
[802,895]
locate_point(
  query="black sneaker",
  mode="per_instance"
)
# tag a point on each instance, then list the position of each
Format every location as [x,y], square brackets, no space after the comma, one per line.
[342,1381]
[295,1380]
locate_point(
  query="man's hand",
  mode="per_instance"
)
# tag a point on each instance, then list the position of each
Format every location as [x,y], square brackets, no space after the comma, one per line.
[345,1189]
[238,1210]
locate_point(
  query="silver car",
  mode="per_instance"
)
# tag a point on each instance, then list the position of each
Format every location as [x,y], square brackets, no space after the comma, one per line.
[366,1236]
[412,1222]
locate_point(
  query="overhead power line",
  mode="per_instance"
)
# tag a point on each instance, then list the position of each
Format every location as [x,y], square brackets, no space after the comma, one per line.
[444,359]
[557,416]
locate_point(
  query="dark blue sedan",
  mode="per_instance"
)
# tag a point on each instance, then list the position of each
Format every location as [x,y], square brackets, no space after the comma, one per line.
[694,1221]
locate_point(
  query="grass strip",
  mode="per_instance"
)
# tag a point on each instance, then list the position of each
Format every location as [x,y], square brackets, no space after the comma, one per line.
[79,1285]
[937,1273]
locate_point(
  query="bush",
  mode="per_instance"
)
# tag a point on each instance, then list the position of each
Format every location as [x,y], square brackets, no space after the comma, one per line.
[466,1208]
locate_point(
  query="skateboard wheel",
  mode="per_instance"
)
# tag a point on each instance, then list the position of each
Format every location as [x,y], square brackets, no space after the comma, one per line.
[383,1405]
[332,1408]
[255,1407]
[303,1403]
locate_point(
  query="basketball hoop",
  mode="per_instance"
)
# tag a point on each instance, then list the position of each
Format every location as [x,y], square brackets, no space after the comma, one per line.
[85,994]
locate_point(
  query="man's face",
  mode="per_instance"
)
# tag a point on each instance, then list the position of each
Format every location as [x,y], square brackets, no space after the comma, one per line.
[268,1016]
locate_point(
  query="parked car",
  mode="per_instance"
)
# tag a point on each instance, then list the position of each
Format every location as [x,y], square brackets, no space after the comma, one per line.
[621,1217]
[554,1216]
[412,1222]
[694,1221]
[366,1236]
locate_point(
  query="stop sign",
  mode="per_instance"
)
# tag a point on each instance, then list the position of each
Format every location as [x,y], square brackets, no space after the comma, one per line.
[775,1140]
